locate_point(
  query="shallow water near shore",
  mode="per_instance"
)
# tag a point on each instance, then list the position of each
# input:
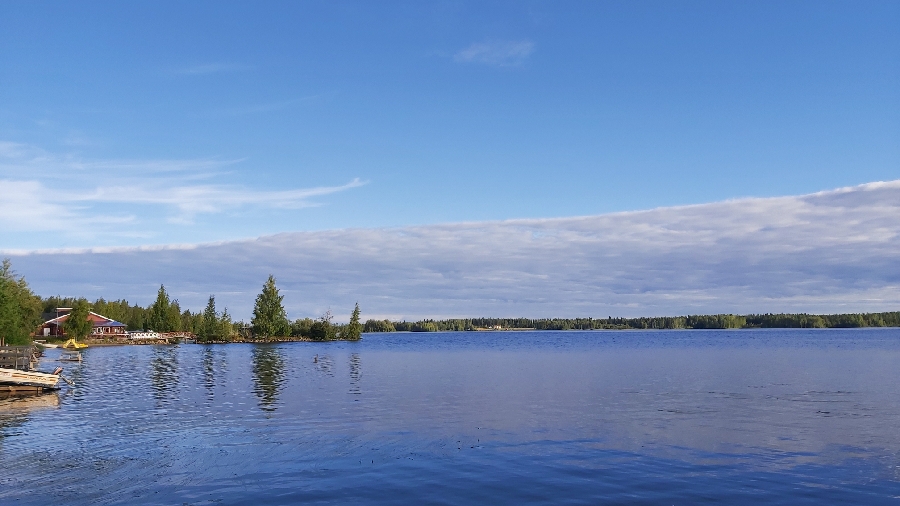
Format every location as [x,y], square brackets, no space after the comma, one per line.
[625,417]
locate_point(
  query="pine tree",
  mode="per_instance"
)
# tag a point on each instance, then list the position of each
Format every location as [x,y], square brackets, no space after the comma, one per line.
[210,328]
[354,329]
[159,312]
[269,317]
[226,326]
[173,317]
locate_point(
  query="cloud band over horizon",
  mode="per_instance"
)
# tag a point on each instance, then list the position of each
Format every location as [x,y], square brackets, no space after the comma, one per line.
[827,252]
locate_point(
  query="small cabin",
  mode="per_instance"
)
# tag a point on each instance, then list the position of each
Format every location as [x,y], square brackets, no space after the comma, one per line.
[104,328]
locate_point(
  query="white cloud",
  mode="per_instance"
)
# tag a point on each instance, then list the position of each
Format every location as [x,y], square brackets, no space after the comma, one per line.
[30,206]
[195,199]
[85,198]
[16,150]
[500,53]
[27,205]
[827,252]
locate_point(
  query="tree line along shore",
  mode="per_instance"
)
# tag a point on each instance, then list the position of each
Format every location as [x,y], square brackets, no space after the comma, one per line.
[718,321]
[21,312]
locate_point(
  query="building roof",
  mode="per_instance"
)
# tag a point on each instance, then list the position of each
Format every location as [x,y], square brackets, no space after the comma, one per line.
[98,319]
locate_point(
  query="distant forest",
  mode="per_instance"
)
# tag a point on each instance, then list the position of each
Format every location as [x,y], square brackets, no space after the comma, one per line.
[177,319]
[719,321]
[137,317]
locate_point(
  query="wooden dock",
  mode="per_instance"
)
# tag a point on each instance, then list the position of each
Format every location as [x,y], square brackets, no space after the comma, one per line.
[18,367]
[23,358]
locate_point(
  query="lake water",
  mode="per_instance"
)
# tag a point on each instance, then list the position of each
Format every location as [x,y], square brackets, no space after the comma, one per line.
[624,417]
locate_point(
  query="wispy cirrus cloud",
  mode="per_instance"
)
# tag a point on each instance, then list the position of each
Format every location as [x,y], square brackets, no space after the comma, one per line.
[499,53]
[204,198]
[29,205]
[832,251]
[84,198]
[17,159]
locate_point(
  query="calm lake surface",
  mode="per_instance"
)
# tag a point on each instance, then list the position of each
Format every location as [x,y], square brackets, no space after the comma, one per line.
[625,417]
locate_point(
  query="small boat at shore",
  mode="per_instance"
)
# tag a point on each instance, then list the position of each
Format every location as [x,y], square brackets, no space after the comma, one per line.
[70,356]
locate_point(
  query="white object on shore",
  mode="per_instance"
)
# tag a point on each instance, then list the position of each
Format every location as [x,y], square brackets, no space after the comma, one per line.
[15,377]
[143,335]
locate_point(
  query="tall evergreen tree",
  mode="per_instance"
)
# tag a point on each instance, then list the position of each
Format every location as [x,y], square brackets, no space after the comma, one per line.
[210,328]
[158,318]
[269,317]
[173,317]
[353,331]
[226,326]
[78,325]
[191,322]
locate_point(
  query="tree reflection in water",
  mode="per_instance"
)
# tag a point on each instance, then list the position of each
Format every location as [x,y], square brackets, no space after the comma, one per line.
[209,372]
[324,365]
[355,374]
[164,373]
[268,375]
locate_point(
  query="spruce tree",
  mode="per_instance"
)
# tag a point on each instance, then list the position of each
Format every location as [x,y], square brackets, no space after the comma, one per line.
[173,317]
[226,326]
[269,317]
[210,328]
[159,312]
[354,329]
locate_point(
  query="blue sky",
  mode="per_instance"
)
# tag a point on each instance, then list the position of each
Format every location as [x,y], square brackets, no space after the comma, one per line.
[432,159]
[135,123]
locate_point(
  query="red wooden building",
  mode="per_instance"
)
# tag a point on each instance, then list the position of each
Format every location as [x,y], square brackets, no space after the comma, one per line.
[103,327]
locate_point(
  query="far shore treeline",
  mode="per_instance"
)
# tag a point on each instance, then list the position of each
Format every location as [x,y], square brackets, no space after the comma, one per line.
[21,312]
[718,321]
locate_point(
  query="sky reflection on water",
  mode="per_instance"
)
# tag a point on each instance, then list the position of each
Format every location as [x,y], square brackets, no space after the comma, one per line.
[635,417]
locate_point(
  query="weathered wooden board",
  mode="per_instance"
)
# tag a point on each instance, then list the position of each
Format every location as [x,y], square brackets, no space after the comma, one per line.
[23,389]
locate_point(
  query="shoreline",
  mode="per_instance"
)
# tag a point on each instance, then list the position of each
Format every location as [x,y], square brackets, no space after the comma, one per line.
[300,339]
[104,343]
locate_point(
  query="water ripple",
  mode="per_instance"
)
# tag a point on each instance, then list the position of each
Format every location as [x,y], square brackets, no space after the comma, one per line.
[675,417]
